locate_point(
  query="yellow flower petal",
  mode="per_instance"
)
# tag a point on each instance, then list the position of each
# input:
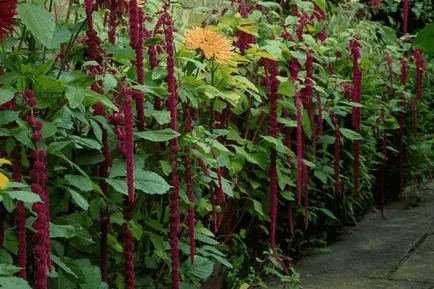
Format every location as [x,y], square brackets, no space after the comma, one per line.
[210,42]
[5,161]
[3,181]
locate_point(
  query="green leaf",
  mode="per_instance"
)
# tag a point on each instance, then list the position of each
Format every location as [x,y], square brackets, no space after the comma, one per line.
[79,182]
[114,243]
[92,277]
[62,156]
[425,39]
[321,4]
[79,200]
[27,197]
[158,135]
[258,207]
[305,122]
[150,183]
[328,213]
[8,269]
[61,35]
[13,283]
[320,175]
[62,231]
[5,96]
[38,20]
[204,238]
[96,206]
[350,134]
[109,82]
[56,260]
[286,88]
[75,95]
[278,145]
[202,268]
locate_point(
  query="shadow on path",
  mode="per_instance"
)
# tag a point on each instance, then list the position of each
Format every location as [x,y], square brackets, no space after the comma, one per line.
[387,254]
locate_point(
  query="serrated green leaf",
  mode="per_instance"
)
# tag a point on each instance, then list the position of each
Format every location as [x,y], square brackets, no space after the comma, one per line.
[78,199]
[202,268]
[5,96]
[13,283]
[158,135]
[38,20]
[79,182]
[350,134]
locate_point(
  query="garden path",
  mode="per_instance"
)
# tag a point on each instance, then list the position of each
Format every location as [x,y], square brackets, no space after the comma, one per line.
[397,253]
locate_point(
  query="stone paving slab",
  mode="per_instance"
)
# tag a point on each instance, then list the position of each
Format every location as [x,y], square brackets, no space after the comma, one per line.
[379,254]
[324,283]
[419,267]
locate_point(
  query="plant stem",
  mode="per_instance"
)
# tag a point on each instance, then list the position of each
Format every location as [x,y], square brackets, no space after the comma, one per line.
[71,42]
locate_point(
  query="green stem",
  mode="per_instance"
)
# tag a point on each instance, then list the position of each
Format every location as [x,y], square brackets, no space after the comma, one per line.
[71,42]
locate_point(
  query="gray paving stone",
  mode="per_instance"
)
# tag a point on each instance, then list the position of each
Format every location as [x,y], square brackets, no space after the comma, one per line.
[378,254]
[419,267]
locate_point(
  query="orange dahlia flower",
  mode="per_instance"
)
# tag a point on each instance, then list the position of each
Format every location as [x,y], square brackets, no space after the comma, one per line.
[211,43]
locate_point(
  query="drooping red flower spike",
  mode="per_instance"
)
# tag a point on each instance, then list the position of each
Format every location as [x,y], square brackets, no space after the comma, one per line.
[189,180]
[104,173]
[300,161]
[140,96]
[405,17]
[403,79]
[337,155]
[272,84]
[8,10]
[39,177]
[124,131]
[383,150]
[93,42]
[389,62]
[355,49]
[20,216]
[171,103]
[375,3]
[420,69]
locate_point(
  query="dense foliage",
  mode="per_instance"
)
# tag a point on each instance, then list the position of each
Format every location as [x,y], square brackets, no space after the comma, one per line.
[147,145]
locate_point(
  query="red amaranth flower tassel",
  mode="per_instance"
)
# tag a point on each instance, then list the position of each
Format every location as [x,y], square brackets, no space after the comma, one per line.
[302,23]
[129,204]
[271,72]
[104,173]
[383,150]
[189,180]
[375,3]
[355,48]
[92,37]
[300,162]
[7,17]
[389,62]
[20,216]
[306,95]
[140,97]
[420,69]
[306,196]
[405,17]
[171,103]
[221,199]
[403,78]
[320,117]
[134,23]
[337,155]
[38,175]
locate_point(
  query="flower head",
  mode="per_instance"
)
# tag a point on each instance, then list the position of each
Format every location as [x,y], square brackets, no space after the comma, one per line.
[4,179]
[211,43]
[7,14]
